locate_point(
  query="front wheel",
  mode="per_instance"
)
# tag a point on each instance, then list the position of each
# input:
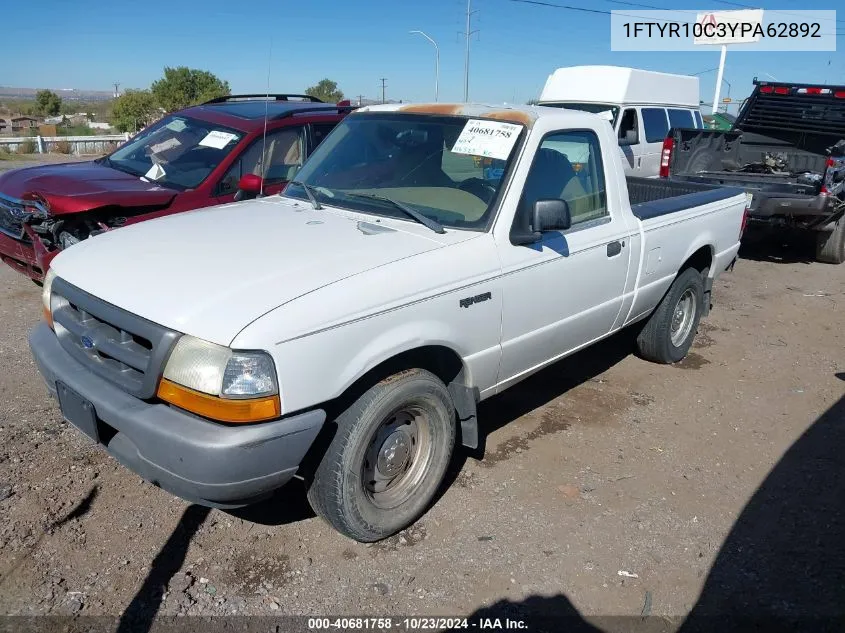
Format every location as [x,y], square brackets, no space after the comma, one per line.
[671,328]
[387,458]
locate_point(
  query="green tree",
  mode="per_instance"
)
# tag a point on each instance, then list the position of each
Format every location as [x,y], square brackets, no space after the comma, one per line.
[181,87]
[326,90]
[133,110]
[47,103]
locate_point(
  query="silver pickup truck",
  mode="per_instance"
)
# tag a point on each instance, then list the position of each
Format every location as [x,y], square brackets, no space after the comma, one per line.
[425,258]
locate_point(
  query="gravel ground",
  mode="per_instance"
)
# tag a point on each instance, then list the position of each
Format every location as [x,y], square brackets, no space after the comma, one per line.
[607,486]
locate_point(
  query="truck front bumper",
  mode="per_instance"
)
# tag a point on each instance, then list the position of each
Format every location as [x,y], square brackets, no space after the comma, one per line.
[201,461]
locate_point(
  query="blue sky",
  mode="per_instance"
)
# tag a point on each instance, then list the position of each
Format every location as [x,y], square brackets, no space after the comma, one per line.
[90,44]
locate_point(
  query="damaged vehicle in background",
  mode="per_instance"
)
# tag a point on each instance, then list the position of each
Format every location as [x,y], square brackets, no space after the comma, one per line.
[204,155]
[786,150]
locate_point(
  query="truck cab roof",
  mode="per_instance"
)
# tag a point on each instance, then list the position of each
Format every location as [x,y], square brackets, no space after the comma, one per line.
[526,115]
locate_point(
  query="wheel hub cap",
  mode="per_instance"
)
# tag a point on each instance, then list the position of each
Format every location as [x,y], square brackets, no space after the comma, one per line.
[683,317]
[394,454]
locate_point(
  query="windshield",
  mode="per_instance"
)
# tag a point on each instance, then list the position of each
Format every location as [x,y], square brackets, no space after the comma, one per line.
[447,168]
[609,111]
[177,151]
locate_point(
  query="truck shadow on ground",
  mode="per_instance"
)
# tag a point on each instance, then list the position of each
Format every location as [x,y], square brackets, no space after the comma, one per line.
[779,247]
[287,505]
[551,383]
[781,567]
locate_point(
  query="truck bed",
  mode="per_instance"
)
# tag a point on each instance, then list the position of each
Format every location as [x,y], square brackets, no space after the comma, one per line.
[720,158]
[652,197]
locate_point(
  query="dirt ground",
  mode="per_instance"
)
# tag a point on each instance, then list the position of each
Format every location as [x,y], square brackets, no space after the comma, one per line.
[607,486]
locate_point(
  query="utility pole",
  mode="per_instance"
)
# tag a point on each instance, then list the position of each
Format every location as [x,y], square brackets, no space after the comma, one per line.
[116,89]
[360,99]
[383,79]
[469,32]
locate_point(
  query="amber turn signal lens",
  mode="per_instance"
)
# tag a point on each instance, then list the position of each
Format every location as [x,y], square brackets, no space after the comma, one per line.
[222,409]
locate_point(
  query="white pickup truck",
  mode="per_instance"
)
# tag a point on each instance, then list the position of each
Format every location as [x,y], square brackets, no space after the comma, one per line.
[425,258]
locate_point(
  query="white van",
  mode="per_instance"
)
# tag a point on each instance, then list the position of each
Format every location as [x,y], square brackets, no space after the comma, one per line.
[641,105]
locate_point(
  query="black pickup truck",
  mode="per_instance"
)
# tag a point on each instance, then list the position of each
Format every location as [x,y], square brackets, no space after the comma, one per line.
[786,150]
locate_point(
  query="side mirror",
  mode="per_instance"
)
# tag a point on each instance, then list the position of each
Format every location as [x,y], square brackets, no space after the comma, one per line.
[551,215]
[249,186]
[631,138]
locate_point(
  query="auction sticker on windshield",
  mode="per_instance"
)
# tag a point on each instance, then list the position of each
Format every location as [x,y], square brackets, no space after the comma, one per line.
[218,139]
[492,139]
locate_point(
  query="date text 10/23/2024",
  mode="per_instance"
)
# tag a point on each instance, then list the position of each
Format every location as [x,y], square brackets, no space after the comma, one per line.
[415,624]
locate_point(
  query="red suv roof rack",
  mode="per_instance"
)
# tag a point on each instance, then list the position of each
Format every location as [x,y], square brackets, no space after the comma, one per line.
[270,97]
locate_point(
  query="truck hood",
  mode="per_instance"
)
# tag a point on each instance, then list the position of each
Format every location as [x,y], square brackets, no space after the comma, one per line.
[75,187]
[211,272]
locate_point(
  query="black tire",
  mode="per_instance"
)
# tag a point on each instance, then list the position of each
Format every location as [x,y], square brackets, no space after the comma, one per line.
[830,247]
[655,341]
[343,489]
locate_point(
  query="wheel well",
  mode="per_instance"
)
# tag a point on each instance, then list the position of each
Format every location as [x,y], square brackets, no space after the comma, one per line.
[701,260]
[441,361]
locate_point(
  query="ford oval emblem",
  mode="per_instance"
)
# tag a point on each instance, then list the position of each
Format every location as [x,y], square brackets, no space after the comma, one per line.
[87,342]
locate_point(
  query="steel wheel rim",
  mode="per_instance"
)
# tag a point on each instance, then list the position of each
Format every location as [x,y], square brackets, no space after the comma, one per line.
[397,457]
[682,318]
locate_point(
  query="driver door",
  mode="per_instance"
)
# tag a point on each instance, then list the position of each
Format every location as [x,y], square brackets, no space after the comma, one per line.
[276,159]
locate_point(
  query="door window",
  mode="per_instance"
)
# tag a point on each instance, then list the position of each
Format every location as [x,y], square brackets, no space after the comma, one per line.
[656,124]
[276,159]
[319,131]
[628,123]
[680,118]
[568,167]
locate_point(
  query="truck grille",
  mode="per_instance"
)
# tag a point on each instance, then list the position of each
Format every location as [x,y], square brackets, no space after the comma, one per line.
[113,343]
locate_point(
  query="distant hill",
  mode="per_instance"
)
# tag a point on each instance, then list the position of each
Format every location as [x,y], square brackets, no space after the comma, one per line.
[68,94]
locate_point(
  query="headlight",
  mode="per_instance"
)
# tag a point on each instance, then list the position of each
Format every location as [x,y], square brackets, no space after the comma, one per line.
[219,383]
[46,291]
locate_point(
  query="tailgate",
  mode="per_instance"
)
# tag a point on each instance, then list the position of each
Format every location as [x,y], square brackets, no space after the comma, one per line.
[696,150]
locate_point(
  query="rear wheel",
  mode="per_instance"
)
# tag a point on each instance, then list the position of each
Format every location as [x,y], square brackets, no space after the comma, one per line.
[830,247]
[388,457]
[669,332]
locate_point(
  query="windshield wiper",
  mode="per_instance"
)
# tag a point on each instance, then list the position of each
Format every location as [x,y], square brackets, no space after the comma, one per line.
[408,210]
[309,191]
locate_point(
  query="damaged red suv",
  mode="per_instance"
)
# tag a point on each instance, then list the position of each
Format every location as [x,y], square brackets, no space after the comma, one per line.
[208,154]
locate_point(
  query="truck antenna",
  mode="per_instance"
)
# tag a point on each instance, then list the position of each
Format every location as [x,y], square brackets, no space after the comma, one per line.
[264,135]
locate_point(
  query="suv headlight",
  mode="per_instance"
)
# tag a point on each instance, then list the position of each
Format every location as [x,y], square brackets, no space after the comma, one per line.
[46,291]
[219,383]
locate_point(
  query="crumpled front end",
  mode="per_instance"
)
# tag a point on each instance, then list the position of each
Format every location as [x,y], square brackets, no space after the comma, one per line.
[20,247]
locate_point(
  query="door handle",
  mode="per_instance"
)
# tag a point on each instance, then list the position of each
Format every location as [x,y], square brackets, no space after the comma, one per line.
[614,248]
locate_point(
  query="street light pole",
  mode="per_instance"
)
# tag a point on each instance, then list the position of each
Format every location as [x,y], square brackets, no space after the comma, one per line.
[436,64]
